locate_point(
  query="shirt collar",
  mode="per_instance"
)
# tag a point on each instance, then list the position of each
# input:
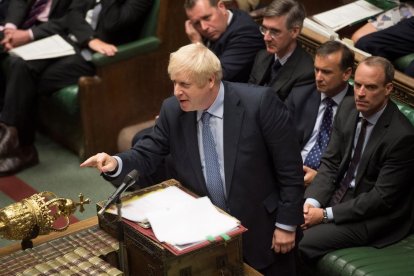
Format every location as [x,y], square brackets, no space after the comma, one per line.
[284,59]
[230,17]
[217,108]
[338,97]
[373,119]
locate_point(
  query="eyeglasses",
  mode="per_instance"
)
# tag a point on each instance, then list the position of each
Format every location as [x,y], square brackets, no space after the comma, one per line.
[272,33]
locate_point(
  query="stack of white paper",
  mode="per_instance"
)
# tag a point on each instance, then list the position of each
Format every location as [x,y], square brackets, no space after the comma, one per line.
[190,223]
[347,14]
[49,47]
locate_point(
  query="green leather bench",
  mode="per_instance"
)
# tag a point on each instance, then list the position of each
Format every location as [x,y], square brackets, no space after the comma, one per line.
[66,115]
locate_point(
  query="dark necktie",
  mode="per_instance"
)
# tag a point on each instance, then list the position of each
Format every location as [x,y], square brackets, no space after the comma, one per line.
[313,158]
[213,177]
[346,181]
[36,9]
[275,70]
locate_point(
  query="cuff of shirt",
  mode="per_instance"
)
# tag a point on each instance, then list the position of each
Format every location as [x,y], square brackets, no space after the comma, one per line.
[31,34]
[118,171]
[313,202]
[290,228]
[10,26]
[329,213]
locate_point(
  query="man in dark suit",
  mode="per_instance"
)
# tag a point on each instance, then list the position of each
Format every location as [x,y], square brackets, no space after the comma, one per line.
[231,34]
[284,64]
[313,106]
[256,155]
[362,194]
[116,23]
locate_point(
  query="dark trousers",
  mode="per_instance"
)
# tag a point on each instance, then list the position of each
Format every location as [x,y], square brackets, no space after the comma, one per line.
[324,238]
[27,80]
[391,43]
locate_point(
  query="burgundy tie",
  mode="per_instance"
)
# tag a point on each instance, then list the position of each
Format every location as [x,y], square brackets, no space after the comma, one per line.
[346,181]
[36,9]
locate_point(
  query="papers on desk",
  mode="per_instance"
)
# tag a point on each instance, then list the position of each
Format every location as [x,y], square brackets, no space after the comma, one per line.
[178,218]
[347,14]
[49,47]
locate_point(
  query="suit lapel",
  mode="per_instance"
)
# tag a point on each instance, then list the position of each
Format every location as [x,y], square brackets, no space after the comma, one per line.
[264,69]
[233,119]
[53,6]
[189,134]
[311,113]
[377,133]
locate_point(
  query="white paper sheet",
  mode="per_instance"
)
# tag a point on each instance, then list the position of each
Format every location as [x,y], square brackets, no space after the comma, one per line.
[347,14]
[49,47]
[190,223]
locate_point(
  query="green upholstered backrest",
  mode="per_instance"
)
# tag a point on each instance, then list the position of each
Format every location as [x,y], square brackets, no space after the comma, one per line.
[150,26]
[403,62]
[406,110]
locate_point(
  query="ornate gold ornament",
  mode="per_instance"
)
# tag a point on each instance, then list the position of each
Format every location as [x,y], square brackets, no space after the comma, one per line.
[37,215]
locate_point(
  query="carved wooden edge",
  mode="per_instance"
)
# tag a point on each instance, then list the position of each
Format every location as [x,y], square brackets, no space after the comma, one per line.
[403,84]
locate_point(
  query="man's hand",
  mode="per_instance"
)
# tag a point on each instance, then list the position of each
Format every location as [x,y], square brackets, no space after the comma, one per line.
[14,38]
[283,241]
[192,33]
[102,161]
[309,175]
[102,47]
[312,215]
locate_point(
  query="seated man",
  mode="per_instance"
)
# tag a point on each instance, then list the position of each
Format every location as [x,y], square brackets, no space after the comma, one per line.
[314,106]
[391,42]
[232,142]
[27,79]
[231,34]
[362,194]
[284,63]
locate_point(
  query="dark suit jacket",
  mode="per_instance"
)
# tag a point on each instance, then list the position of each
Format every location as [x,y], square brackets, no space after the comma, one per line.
[18,10]
[119,22]
[383,195]
[4,4]
[298,70]
[263,167]
[237,47]
[303,103]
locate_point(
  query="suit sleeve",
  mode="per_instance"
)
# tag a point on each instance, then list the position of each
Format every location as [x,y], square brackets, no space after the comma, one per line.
[151,149]
[16,12]
[280,138]
[384,193]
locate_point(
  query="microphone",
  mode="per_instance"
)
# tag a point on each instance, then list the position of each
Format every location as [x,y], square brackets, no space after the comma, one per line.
[129,180]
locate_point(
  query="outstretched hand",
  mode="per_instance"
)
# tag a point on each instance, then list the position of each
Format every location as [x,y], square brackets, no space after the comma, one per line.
[102,161]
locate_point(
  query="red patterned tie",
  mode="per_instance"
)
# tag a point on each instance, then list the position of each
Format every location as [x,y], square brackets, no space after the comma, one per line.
[36,9]
[346,181]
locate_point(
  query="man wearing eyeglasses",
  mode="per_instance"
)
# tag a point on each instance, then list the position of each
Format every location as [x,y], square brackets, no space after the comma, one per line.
[284,64]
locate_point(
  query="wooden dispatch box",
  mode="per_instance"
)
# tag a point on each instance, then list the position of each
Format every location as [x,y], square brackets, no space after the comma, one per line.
[146,256]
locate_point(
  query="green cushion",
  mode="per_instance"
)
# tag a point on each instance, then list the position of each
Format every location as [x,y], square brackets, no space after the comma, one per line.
[403,62]
[397,259]
[66,100]
[406,110]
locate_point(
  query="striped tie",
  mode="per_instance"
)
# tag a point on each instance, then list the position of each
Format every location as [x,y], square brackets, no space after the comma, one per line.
[212,168]
[36,9]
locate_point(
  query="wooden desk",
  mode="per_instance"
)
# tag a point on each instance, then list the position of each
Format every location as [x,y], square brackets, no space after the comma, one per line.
[76,227]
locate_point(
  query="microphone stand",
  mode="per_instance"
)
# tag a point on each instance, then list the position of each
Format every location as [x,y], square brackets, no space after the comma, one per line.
[122,256]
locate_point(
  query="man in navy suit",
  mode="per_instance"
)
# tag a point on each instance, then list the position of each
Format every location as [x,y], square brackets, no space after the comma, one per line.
[309,103]
[363,192]
[258,155]
[231,34]
[284,64]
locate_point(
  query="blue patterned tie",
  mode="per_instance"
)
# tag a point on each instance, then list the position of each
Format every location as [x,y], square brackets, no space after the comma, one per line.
[314,156]
[214,182]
